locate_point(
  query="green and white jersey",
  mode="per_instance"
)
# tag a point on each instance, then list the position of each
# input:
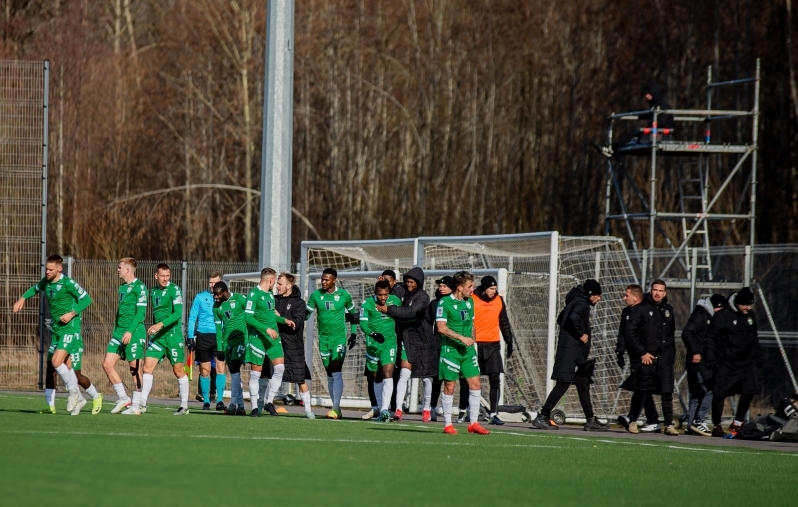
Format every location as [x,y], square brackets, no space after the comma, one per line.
[63,296]
[331,309]
[372,321]
[132,307]
[459,317]
[167,306]
[230,318]
[260,309]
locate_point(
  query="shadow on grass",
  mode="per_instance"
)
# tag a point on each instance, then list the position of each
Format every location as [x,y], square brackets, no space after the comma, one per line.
[18,411]
[388,427]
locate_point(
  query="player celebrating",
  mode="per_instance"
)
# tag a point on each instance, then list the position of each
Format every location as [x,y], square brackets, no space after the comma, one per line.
[263,340]
[332,304]
[231,332]
[166,337]
[66,300]
[129,337]
[380,331]
[455,322]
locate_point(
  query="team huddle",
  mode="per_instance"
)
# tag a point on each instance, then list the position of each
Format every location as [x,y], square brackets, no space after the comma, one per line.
[434,341]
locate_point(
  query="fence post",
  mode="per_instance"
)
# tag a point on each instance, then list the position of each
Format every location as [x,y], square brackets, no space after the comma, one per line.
[502,290]
[183,287]
[554,282]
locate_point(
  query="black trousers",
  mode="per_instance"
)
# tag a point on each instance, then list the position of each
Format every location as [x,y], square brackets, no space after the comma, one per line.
[638,399]
[742,407]
[647,404]
[582,388]
[437,382]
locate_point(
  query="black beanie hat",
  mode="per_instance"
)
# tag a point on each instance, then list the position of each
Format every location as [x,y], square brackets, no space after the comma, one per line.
[717,300]
[487,282]
[447,281]
[744,297]
[592,287]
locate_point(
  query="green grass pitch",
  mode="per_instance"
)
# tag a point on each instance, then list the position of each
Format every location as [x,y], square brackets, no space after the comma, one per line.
[210,459]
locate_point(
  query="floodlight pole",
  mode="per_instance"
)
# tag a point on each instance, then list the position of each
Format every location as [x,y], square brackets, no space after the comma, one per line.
[278,109]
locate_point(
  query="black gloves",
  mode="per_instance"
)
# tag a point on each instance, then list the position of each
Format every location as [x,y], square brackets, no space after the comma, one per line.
[352,340]
[378,337]
[191,344]
[508,351]
[620,360]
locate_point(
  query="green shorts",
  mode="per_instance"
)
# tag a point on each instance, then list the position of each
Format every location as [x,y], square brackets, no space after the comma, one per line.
[133,350]
[169,344]
[456,363]
[379,353]
[236,351]
[332,350]
[77,355]
[259,349]
[403,355]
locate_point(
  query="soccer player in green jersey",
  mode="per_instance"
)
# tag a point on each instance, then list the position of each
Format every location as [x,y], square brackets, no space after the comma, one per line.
[380,331]
[66,300]
[263,341]
[231,332]
[166,337]
[455,322]
[335,307]
[129,338]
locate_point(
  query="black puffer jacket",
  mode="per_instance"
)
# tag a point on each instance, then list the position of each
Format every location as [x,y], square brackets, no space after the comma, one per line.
[413,326]
[650,329]
[735,338]
[293,307]
[620,347]
[574,321]
[658,100]
[694,338]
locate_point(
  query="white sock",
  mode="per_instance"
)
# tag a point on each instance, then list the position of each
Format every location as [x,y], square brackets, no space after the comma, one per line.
[473,405]
[120,391]
[182,386]
[63,372]
[447,400]
[254,388]
[338,390]
[427,393]
[49,395]
[275,382]
[387,390]
[235,387]
[146,387]
[401,387]
[305,397]
[92,391]
[74,378]
[136,400]
[378,390]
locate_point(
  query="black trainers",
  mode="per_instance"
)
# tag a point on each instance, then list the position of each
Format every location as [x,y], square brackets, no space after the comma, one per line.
[230,410]
[593,424]
[198,397]
[623,421]
[495,420]
[220,407]
[269,407]
[542,422]
[241,410]
[206,406]
[255,413]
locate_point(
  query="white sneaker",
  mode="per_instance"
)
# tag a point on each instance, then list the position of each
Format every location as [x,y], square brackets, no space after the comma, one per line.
[79,405]
[120,405]
[72,400]
[130,411]
[371,414]
[650,428]
[701,429]
[439,410]
[143,409]
[461,418]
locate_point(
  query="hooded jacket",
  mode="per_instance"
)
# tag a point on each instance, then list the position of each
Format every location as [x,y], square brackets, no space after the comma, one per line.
[658,100]
[414,328]
[292,307]
[574,321]
[735,339]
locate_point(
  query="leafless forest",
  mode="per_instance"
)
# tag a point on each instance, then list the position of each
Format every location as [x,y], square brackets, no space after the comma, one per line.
[412,117]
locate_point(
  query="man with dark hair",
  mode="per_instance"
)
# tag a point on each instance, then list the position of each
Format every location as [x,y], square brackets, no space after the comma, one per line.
[335,307]
[231,332]
[445,287]
[397,289]
[633,296]
[419,354]
[202,335]
[700,361]
[650,340]
[292,308]
[655,97]
[66,307]
[571,364]
[737,353]
[455,321]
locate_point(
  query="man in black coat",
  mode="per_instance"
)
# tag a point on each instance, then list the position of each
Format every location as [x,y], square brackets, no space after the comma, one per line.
[700,361]
[290,305]
[419,356]
[633,296]
[737,354]
[650,340]
[571,364]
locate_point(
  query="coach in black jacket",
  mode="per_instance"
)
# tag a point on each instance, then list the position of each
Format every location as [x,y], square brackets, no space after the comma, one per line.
[650,340]
[737,354]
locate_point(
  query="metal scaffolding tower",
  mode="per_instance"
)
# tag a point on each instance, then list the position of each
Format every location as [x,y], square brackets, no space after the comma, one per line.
[680,163]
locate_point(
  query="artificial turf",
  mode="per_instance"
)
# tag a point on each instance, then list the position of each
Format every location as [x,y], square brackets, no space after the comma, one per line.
[211,459]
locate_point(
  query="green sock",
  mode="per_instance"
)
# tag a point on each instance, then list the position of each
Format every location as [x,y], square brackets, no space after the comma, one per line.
[205,386]
[220,382]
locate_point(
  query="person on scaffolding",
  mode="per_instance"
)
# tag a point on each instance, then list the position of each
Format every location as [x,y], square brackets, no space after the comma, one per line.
[656,99]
